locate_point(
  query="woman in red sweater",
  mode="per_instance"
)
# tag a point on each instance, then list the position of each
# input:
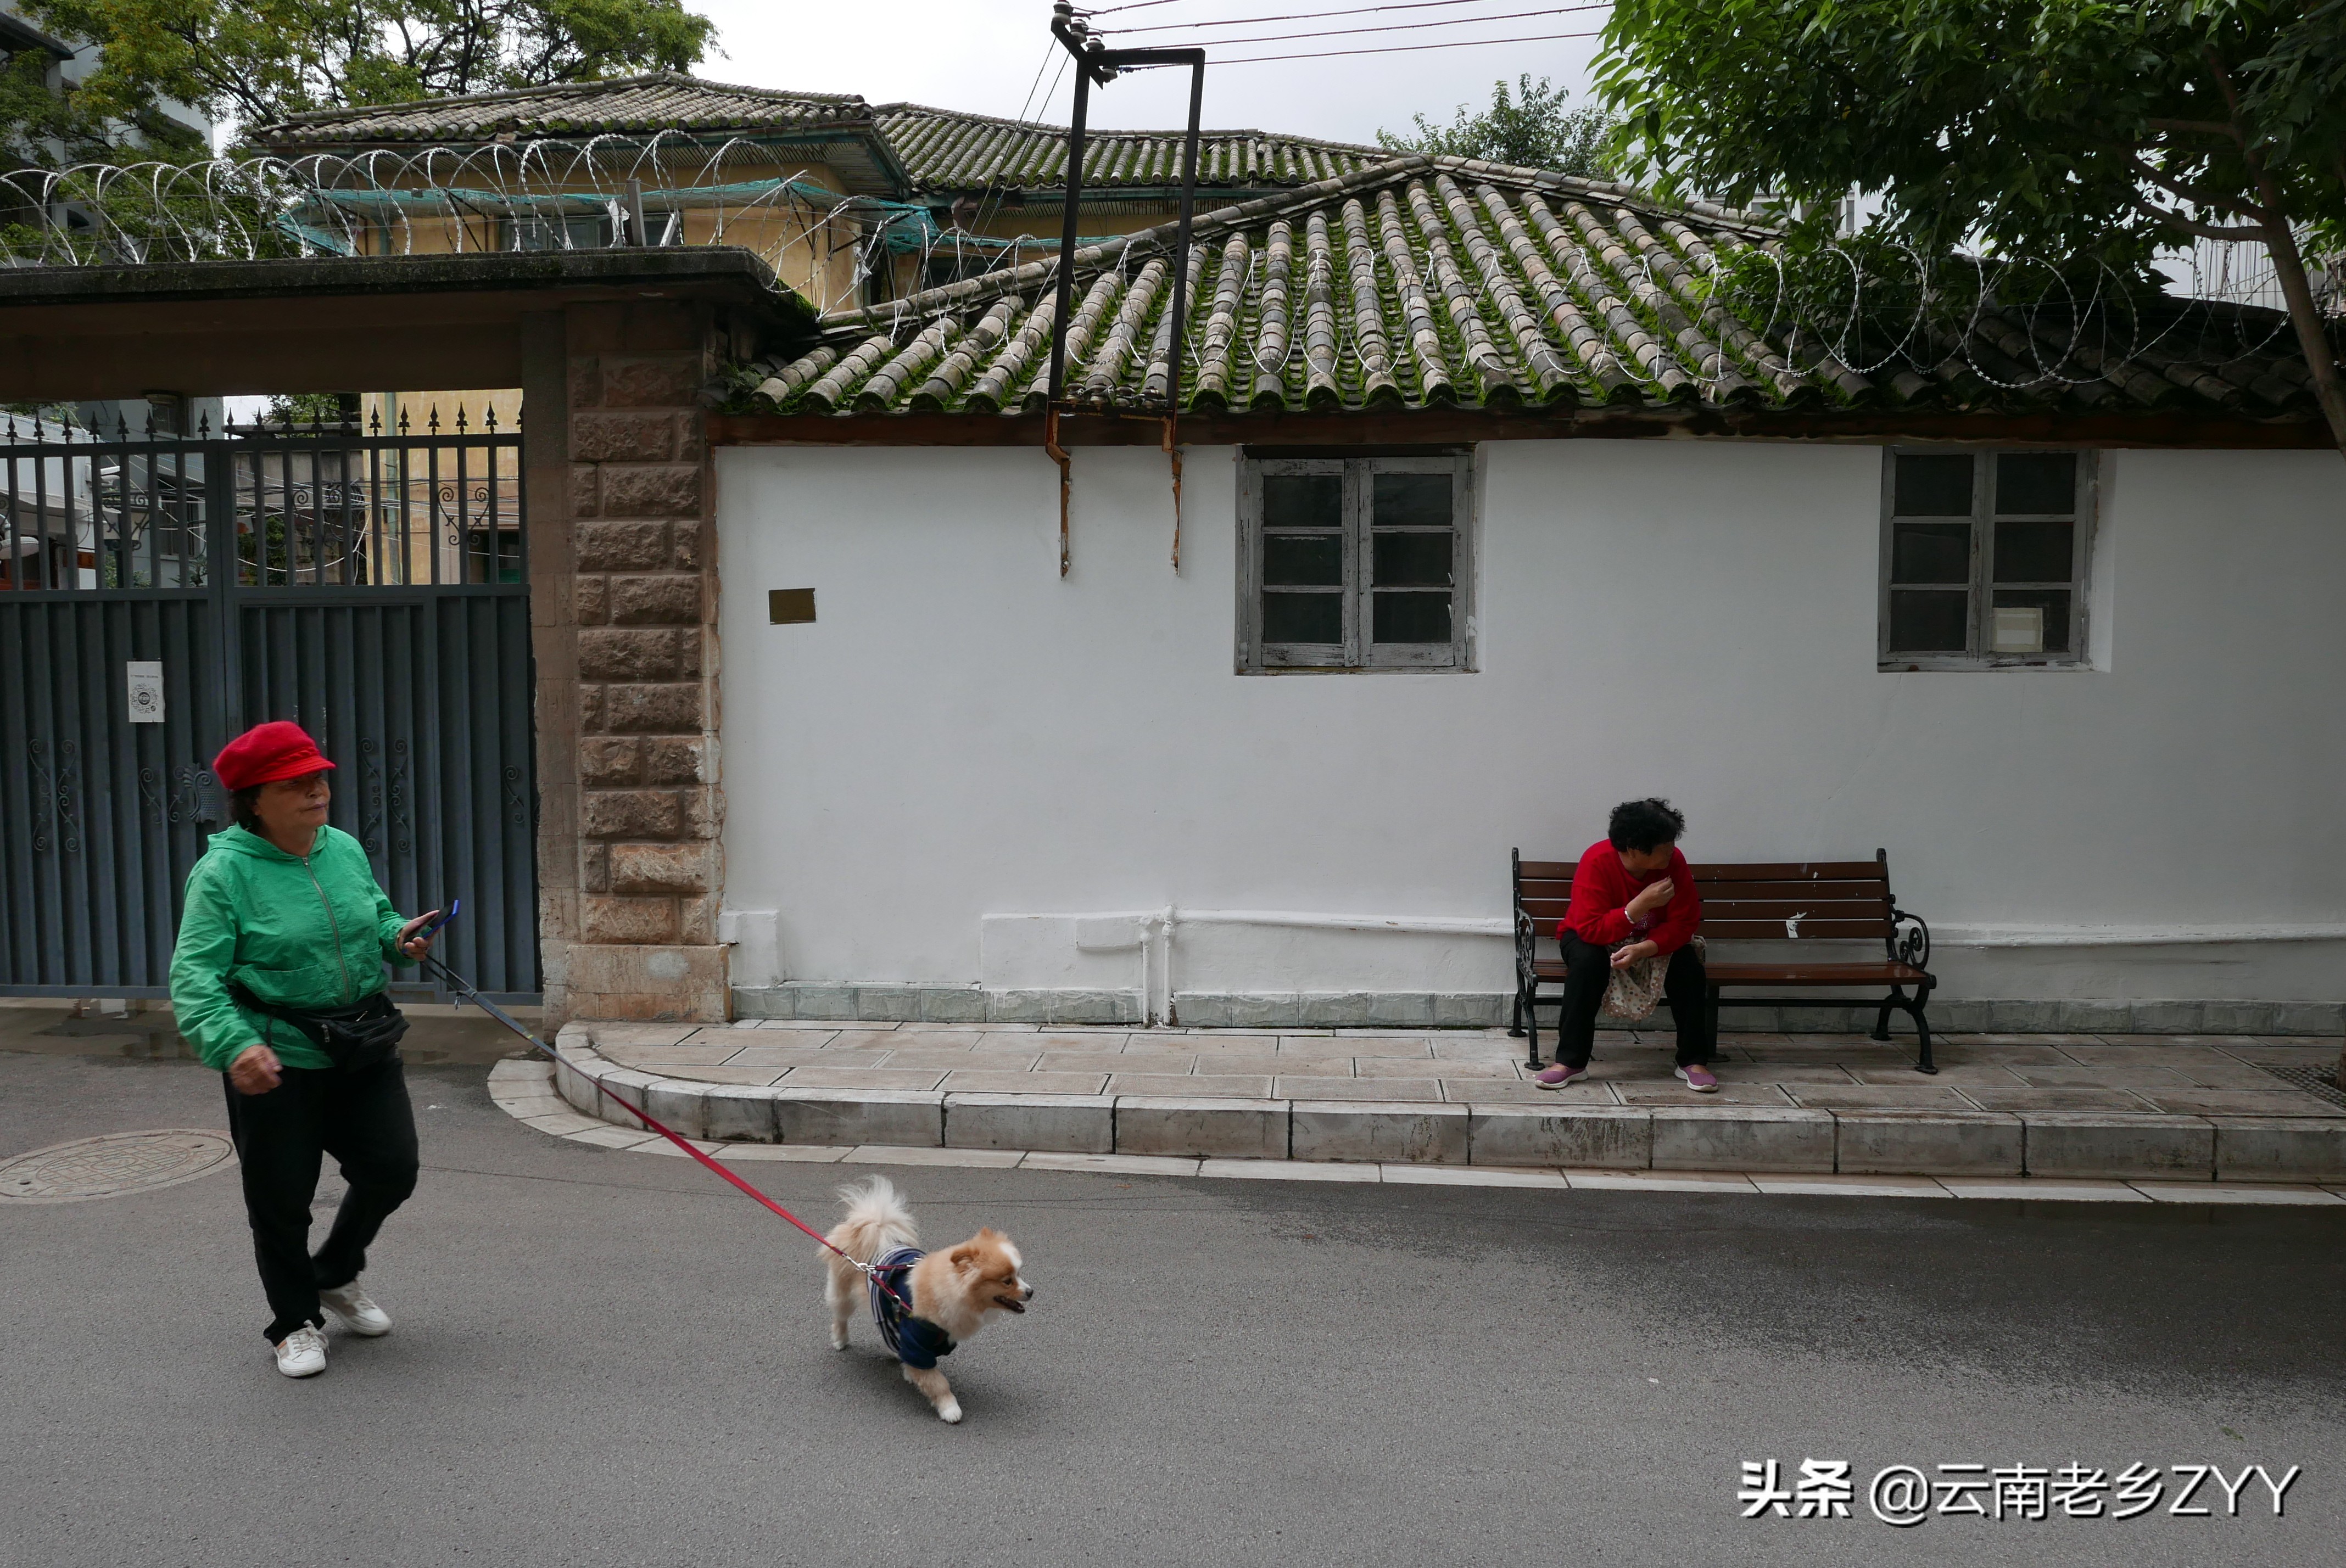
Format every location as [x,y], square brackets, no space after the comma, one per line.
[1633,898]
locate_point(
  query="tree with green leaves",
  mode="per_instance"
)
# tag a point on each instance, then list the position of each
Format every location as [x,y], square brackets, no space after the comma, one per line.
[257,61]
[1533,125]
[2095,130]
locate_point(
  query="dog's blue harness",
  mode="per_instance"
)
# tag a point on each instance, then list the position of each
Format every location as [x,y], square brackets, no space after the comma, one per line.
[916,1342]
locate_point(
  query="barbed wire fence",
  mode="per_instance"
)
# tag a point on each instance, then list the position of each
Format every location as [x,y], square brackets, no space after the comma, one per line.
[2015,322]
[534,194]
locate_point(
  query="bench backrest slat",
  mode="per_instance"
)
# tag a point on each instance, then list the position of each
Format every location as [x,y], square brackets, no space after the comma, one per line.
[1758,901]
[1795,871]
[1777,931]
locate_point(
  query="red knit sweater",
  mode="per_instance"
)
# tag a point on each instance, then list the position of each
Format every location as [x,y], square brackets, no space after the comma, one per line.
[1602,887]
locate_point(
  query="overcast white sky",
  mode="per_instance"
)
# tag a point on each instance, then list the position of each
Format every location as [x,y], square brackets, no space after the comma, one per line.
[983,56]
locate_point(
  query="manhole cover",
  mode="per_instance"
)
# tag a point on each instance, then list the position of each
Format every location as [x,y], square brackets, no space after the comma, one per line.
[115,1163]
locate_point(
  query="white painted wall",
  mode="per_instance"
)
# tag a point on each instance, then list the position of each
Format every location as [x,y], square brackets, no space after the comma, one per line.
[963,739]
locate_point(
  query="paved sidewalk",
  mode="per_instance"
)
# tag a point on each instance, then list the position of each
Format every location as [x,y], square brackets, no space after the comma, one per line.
[2065,1107]
[525,1090]
[2147,1075]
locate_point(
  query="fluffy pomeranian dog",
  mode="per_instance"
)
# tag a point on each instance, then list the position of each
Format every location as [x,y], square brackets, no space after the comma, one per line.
[951,1294]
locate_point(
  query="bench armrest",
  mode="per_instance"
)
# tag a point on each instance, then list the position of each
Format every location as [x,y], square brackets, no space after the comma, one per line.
[1526,941]
[1910,939]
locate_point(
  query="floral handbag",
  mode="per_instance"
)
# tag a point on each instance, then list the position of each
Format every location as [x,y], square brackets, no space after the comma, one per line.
[1635,989]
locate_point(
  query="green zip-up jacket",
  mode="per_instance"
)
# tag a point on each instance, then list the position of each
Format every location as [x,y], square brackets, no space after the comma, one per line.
[296,932]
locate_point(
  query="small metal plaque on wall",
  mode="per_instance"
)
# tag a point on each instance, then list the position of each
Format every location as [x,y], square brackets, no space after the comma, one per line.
[145,696]
[790,607]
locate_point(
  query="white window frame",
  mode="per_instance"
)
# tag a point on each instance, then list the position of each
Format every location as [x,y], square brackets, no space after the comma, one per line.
[1979,652]
[1356,652]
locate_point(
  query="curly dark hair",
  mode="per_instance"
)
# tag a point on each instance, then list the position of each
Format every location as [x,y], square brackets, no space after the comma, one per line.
[242,809]
[1643,825]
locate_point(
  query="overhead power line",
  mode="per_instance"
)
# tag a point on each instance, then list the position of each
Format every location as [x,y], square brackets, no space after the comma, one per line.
[1133,6]
[1405,48]
[1347,11]
[1384,27]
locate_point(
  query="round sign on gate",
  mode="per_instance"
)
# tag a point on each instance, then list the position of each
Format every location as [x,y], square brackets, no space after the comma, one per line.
[146,693]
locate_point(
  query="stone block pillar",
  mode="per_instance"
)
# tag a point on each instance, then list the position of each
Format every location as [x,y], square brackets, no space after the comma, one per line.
[624,592]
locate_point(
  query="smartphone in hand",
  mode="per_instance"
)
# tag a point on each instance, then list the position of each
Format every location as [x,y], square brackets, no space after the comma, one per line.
[431,927]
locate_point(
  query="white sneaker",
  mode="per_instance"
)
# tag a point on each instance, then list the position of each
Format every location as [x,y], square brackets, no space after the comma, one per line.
[358,1314]
[302,1353]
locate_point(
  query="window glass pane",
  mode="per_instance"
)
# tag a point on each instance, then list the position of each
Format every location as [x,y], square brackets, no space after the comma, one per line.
[1412,500]
[1303,617]
[2033,552]
[1303,559]
[1411,617]
[1929,620]
[1412,560]
[2029,621]
[1931,553]
[2036,482]
[1935,486]
[545,232]
[1303,499]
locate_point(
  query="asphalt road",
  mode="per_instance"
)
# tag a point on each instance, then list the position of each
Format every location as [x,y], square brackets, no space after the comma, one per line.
[608,1358]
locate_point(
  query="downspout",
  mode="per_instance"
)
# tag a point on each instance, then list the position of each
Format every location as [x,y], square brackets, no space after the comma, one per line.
[1173,451]
[1147,1009]
[1059,455]
[1166,924]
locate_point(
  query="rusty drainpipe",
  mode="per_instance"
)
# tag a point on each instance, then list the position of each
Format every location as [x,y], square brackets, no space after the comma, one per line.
[1173,451]
[1059,455]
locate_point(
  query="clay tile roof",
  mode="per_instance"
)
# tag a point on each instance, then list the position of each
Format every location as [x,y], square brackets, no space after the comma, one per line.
[1425,283]
[947,150]
[662,100]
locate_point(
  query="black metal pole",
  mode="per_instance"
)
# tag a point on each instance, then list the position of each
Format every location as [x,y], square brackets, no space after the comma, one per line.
[1064,286]
[1182,236]
[1101,66]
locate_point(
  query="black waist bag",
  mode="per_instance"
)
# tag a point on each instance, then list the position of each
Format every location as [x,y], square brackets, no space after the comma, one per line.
[360,1035]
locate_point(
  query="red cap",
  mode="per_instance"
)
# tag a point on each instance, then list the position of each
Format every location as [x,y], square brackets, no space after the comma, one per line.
[266,753]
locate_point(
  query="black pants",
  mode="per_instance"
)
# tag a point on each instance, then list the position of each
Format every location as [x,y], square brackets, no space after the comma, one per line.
[1588,972]
[364,1120]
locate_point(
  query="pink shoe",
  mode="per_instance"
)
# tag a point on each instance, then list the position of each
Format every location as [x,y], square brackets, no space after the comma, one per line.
[1558,1076]
[1700,1079]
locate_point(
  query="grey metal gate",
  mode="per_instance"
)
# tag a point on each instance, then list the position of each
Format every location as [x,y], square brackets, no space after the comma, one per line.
[158,595]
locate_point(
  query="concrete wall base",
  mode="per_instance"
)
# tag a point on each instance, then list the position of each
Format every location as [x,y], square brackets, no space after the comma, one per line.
[646,983]
[819,1000]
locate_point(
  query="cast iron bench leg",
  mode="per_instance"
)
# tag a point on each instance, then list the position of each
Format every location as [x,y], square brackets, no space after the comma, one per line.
[1922,1027]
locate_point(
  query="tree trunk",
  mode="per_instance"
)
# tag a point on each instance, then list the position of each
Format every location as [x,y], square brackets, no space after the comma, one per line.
[2313,336]
[2289,268]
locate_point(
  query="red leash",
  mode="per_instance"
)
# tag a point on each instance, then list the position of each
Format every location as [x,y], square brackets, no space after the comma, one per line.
[464,990]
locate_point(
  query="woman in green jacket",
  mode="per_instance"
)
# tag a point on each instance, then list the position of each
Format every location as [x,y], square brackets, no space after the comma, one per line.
[283,924]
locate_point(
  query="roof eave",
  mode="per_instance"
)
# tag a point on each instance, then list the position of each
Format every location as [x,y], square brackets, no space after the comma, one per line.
[20,35]
[1467,424]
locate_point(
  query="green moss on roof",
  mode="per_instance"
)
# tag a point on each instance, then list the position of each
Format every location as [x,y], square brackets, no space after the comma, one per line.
[656,101]
[947,151]
[1421,282]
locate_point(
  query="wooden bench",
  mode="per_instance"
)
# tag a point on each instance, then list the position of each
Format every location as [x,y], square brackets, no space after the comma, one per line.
[1821,900]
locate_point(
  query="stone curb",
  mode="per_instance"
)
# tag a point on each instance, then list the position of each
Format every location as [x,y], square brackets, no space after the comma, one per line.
[1691,1138]
[520,1087]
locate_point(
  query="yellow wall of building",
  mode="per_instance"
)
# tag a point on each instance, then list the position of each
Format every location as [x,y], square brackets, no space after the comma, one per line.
[810,245]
